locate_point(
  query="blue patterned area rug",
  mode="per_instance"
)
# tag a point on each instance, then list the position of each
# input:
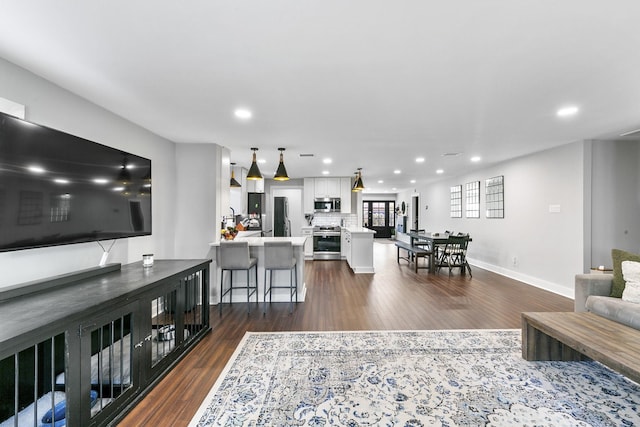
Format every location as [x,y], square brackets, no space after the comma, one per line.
[410,378]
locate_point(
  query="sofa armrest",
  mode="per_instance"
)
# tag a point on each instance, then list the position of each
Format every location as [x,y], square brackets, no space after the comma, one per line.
[591,284]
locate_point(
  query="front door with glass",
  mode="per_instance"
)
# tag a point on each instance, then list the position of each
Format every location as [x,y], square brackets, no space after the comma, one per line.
[379,216]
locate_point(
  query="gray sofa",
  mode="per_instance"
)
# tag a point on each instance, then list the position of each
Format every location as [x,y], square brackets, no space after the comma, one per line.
[592,294]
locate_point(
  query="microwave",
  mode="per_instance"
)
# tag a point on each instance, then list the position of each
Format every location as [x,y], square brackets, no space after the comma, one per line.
[326,204]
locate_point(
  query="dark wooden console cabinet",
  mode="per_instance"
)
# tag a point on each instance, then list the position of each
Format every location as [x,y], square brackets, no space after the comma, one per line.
[98,339]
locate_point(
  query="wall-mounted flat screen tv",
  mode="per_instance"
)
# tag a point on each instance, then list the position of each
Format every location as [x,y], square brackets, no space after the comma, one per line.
[56,188]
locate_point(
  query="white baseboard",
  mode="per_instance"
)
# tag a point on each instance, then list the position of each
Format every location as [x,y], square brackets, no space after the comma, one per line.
[529,280]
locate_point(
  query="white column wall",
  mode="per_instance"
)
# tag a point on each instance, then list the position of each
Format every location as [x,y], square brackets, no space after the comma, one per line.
[202,168]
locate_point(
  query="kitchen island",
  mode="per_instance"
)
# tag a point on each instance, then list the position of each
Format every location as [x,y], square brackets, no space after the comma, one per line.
[256,250]
[357,248]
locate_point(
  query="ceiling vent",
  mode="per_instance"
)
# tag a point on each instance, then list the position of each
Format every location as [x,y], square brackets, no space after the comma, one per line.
[306,155]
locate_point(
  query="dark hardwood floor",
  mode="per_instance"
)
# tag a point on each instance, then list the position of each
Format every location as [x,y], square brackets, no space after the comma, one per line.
[394,298]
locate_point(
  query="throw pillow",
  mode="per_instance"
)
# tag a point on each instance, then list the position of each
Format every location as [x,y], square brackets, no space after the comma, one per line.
[618,281]
[631,275]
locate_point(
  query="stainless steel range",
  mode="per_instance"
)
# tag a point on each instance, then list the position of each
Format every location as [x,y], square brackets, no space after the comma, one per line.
[326,242]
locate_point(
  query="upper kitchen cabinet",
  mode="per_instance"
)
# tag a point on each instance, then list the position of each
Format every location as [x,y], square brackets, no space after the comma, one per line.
[327,187]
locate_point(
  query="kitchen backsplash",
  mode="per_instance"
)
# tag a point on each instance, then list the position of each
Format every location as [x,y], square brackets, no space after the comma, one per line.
[335,218]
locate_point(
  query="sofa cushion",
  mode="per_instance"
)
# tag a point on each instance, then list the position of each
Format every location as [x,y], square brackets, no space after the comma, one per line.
[631,274]
[617,256]
[627,313]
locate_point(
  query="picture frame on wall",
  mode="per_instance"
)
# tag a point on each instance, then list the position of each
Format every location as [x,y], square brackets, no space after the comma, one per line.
[472,199]
[456,201]
[494,193]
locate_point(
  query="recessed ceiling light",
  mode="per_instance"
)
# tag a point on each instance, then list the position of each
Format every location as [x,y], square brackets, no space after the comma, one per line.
[243,113]
[397,171]
[327,161]
[262,161]
[476,158]
[61,181]
[325,172]
[380,181]
[440,171]
[100,180]
[394,188]
[419,159]
[413,181]
[570,110]
[118,188]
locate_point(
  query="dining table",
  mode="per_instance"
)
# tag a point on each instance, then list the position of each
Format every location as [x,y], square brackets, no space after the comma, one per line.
[433,240]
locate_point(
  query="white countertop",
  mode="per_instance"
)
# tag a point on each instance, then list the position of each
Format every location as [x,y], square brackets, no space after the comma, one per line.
[354,230]
[259,241]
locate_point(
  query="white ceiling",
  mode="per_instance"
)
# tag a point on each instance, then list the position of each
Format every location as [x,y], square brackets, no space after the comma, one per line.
[368,83]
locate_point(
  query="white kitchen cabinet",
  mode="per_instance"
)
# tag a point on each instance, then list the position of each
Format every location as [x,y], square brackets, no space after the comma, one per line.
[345,245]
[327,187]
[308,244]
[345,195]
[309,195]
[359,249]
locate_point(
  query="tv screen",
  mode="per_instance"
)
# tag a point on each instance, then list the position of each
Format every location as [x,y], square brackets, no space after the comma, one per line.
[56,188]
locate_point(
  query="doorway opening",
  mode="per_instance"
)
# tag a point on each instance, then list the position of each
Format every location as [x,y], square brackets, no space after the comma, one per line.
[415,210]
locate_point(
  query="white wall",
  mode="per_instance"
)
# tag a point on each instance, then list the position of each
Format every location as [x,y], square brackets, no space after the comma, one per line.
[200,206]
[616,199]
[55,107]
[548,247]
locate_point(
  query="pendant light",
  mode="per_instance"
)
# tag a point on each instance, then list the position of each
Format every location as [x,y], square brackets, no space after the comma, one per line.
[254,172]
[233,183]
[281,173]
[358,185]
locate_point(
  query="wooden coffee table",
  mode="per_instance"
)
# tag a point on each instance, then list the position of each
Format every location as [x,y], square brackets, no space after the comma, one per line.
[581,336]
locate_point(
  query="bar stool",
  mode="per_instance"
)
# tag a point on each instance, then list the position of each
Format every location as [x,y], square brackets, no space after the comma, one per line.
[279,256]
[234,256]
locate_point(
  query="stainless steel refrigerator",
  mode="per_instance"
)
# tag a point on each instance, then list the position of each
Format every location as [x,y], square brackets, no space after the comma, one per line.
[281,222]
[256,211]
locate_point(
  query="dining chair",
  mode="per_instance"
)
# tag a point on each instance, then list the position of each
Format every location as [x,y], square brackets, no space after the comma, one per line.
[234,256]
[455,254]
[279,256]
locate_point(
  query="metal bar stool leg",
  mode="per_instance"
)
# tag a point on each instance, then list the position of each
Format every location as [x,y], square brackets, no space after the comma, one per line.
[248,294]
[264,294]
[221,285]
